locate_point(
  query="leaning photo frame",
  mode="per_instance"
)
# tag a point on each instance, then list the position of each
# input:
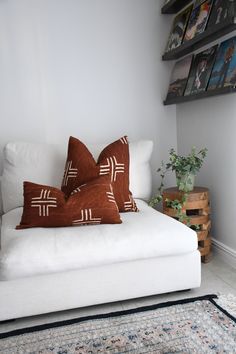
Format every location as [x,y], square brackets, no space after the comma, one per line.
[198,20]
[178,29]
[222,10]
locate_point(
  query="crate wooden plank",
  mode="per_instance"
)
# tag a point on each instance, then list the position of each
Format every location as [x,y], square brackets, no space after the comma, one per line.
[205,243]
[206,226]
[200,204]
[194,219]
[199,219]
[198,210]
[202,235]
[204,250]
[206,211]
[170,212]
[199,193]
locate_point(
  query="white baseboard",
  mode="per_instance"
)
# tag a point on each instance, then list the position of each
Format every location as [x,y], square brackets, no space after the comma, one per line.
[226,253]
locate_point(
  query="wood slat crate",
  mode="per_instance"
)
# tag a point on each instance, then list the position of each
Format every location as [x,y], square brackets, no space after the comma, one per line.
[197,208]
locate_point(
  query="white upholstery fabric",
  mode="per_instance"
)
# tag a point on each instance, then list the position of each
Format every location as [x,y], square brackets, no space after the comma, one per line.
[44,164]
[90,286]
[38,163]
[142,235]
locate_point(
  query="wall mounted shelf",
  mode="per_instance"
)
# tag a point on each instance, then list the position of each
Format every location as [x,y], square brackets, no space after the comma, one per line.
[174,6]
[205,94]
[208,36]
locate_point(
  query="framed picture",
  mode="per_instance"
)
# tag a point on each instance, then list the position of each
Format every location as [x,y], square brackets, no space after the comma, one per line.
[224,70]
[221,11]
[178,29]
[198,20]
[201,71]
[179,77]
[198,2]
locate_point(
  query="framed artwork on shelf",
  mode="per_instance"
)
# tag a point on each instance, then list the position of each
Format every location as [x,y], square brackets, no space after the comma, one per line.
[178,29]
[198,20]
[201,71]
[224,70]
[179,77]
[221,11]
[197,3]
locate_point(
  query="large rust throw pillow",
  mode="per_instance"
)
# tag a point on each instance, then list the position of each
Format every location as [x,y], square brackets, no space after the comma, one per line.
[113,161]
[92,203]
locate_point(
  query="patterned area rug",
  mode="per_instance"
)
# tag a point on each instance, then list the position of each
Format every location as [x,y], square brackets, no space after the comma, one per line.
[198,325]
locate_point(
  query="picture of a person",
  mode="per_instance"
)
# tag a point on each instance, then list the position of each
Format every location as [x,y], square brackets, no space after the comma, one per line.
[225,67]
[198,20]
[201,75]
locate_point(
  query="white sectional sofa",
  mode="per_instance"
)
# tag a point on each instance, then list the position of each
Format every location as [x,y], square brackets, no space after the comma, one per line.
[52,269]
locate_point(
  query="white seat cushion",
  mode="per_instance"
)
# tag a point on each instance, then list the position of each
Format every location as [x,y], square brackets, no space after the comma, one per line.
[142,235]
[44,164]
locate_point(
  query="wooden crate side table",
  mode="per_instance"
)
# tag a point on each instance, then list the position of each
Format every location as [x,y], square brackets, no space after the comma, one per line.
[197,207]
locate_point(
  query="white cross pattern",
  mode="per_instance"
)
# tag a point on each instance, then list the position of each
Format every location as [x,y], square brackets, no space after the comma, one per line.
[112,167]
[44,202]
[111,197]
[78,189]
[130,205]
[124,140]
[69,173]
[86,218]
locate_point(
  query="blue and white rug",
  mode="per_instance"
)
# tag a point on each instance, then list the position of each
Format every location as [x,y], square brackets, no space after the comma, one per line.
[199,325]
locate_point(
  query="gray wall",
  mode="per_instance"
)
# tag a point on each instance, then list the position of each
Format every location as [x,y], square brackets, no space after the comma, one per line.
[211,123]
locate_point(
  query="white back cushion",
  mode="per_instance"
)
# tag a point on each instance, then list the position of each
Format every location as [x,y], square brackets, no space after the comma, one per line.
[44,164]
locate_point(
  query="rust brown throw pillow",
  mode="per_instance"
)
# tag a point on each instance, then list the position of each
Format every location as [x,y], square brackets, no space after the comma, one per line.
[113,161]
[90,204]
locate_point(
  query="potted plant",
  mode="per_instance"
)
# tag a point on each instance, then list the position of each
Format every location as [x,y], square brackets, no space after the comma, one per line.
[185,168]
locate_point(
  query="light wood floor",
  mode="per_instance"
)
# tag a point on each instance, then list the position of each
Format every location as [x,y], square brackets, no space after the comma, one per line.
[217,278]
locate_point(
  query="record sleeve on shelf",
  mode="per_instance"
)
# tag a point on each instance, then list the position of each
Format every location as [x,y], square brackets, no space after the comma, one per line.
[198,20]
[201,71]
[197,3]
[178,29]
[179,77]
[221,11]
[224,70]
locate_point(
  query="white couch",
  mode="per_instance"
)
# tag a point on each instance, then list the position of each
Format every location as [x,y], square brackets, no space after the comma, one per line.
[46,270]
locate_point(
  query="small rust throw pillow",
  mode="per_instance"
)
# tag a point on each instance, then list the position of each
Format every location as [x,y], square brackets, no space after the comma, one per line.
[113,161]
[90,204]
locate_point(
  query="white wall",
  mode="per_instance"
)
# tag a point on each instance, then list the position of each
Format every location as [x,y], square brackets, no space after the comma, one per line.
[88,68]
[211,123]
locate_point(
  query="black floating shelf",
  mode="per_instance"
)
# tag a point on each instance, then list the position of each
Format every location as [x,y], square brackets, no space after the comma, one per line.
[174,6]
[198,96]
[208,36]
